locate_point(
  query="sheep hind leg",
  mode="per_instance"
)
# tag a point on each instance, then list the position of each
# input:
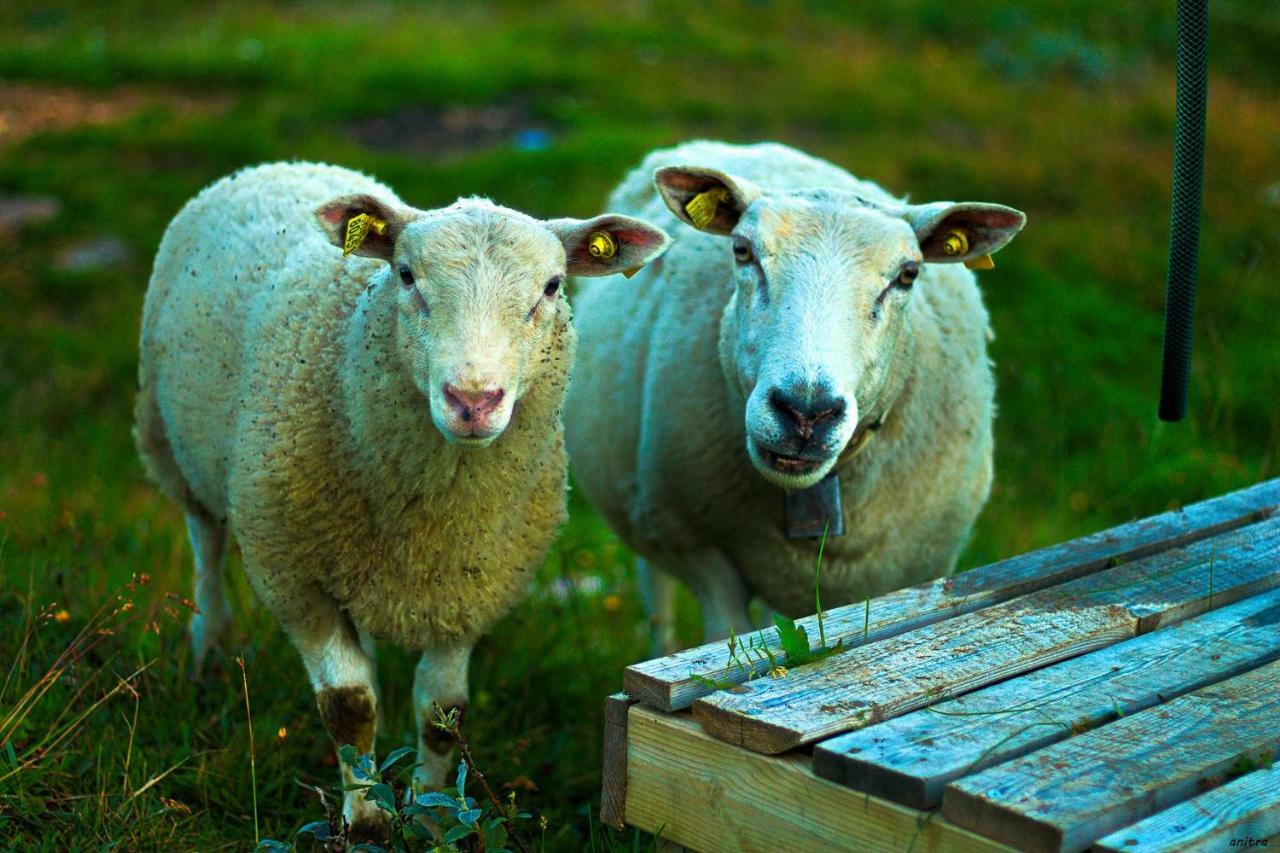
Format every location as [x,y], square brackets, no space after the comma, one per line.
[658,592]
[342,676]
[212,620]
[440,679]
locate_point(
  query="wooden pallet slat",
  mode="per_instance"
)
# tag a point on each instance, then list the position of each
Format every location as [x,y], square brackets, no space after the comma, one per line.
[911,758]
[1245,809]
[902,673]
[668,683]
[699,792]
[1066,796]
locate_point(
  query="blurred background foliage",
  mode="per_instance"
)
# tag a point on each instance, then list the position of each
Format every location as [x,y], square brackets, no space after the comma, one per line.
[112,115]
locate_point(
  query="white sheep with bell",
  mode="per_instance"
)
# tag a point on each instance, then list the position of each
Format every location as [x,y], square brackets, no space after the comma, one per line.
[380,433]
[810,354]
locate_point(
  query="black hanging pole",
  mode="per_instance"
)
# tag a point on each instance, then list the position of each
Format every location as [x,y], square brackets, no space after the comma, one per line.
[1184,215]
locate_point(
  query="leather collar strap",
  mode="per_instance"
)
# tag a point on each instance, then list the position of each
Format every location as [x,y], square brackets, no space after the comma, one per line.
[861,439]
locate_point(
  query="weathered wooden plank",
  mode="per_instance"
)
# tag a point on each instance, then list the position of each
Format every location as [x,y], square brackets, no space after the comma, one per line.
[613,788]
[709,796]
[667,683]
[1222,819]
[911,758]
[1065,796]
[900,674]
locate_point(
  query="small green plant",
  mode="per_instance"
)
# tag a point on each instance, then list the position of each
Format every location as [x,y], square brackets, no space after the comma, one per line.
[443,821]
[792,636]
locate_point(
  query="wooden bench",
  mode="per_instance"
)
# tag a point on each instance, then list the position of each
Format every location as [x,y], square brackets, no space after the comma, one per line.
[1120,692]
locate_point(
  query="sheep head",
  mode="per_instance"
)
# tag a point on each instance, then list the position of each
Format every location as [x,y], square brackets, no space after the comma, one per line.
[480,293]
[821,282]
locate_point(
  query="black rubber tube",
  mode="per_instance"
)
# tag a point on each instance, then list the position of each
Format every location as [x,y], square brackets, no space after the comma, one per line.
[1184,214]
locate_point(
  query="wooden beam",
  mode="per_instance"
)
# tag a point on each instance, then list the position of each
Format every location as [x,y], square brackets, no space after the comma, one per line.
[1066,796]
[900,674]
[613,788]
[1247,808]
[706,795]
[910,759]
[667,683]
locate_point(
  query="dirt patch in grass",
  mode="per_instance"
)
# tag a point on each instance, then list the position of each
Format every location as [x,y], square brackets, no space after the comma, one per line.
[442,133]
[27,109]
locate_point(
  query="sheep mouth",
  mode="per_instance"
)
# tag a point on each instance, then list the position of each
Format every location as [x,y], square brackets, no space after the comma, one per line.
[474,437]
[794,465]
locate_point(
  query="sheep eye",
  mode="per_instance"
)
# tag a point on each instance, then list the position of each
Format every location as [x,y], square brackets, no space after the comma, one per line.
[741,251]
[907,275]
[553,287]
[406,275]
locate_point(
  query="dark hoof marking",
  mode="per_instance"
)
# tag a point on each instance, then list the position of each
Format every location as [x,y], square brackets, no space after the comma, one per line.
[437,740]
[349,715]
[368,830]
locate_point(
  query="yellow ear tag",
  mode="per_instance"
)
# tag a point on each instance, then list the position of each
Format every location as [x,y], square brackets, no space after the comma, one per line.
[602,245]
[629,273]
[956,243]
[358,227]
[703,206]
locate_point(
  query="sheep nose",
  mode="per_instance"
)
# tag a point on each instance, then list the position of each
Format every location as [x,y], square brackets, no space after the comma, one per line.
[807,411]
[472,405]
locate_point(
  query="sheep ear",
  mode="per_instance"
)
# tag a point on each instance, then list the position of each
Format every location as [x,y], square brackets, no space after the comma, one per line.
[363,225]
[707,199]
[608,244]
[964,231]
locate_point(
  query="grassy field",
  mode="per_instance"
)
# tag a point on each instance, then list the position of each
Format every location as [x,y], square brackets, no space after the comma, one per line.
[119,112]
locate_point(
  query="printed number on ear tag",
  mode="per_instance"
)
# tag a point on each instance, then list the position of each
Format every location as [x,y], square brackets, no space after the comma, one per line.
[358,227]
[703,206]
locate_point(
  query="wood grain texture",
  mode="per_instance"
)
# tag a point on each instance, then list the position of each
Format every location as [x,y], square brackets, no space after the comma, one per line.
[910,759]
[886,679]
[706,795]
[667,683]
[1066,796]
[1248,807]
[613,787]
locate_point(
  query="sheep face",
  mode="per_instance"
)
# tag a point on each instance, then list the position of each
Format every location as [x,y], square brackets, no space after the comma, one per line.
[821,284]
[480,293]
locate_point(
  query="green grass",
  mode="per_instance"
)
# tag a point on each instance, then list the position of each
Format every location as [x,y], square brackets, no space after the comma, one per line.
[1067,116]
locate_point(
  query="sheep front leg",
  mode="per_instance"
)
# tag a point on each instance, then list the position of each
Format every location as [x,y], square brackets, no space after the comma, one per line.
[342,676]
[718,586]
[658,592]
[440,679]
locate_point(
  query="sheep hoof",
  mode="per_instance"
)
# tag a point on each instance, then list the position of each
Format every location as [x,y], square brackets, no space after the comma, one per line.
[204,641]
